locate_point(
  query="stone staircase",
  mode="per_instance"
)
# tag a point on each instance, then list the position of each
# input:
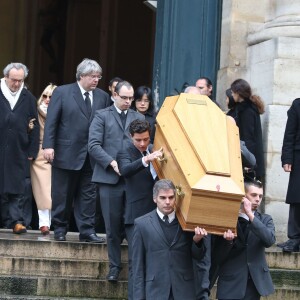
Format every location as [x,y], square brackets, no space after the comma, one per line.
[35,267]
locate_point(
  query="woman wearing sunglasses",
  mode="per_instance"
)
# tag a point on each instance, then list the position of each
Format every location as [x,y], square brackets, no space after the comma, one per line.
[41,169]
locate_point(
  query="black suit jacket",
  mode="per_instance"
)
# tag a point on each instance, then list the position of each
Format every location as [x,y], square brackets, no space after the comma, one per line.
[139,183]
[106,138]
[157,265]
[67,125]
[244,257]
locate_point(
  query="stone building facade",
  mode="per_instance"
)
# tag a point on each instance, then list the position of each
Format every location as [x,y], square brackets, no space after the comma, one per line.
[260,42]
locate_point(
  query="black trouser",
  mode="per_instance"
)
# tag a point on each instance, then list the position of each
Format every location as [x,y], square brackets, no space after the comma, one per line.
[70,187]
[112,199]
[12,209]
[294,221]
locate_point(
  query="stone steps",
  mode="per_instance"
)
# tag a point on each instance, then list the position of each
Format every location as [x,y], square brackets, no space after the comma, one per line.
[62,287]
[86,269]
[35,267]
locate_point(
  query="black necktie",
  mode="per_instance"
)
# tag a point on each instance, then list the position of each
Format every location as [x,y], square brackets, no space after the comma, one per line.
[145,153]
[123,118]
[166,219]
[88,104]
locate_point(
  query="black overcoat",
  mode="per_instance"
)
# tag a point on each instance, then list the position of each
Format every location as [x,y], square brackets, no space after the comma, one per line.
[291,151]
[16,143]
[247,119]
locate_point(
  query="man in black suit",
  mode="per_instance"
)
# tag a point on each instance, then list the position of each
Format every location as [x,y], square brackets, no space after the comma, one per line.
[136,167]
[109,134]
[70,113]
[240,261]
[163,253]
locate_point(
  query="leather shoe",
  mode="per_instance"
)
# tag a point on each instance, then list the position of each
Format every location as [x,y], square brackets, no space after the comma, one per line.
[45,230]
[113,275]
[91,238]
[19,228]
[291,245]
[59,236]
[281,245]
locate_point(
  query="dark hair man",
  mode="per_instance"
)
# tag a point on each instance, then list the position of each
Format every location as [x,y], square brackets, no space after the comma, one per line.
[243,270]
[163,253]
[109,133]
[135,164]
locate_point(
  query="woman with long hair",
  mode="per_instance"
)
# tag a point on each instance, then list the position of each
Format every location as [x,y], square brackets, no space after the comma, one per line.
[246,112]
[41,170]
[144,104]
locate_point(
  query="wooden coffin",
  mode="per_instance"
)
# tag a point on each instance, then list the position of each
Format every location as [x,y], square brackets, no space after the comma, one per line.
[202,157]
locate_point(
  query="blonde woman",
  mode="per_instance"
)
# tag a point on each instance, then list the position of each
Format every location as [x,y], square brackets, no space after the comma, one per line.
[41,169]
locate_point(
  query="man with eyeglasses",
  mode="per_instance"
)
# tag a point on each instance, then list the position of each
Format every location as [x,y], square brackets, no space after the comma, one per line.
[108,135]
[70,112]
[17,143]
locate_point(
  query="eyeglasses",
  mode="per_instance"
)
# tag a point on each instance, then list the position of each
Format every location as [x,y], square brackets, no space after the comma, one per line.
[16,80]
[46,96]
[125,97]
[98,77]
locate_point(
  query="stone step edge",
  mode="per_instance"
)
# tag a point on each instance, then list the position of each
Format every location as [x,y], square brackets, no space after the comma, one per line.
[56,277]
[56,259]
[284,270]
[27,297]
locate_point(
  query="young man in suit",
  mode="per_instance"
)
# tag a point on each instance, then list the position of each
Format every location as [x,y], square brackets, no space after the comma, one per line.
[65,144]
[108,135]
[135,164]
[163,253]
[242,267]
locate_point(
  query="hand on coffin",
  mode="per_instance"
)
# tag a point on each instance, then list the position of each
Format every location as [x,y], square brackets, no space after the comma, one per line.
[154,155]
[199,234]
[228,235]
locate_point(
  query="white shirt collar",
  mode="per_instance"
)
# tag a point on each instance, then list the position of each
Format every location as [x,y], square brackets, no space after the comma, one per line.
[119,110]
[171,216]
[84,91]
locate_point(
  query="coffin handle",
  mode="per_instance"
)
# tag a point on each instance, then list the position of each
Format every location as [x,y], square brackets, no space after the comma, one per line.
[162,158]
[180,193]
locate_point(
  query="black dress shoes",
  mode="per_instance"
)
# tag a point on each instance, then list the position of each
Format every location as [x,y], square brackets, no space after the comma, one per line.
[59,236]
[291,245]
[91,238]
[113,275]
[281,245]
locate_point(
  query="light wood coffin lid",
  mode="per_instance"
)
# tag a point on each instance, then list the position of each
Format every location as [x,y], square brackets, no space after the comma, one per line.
[202,148]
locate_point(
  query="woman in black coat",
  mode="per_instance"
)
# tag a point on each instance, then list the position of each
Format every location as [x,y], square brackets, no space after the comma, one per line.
[144,104]
[246,112]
